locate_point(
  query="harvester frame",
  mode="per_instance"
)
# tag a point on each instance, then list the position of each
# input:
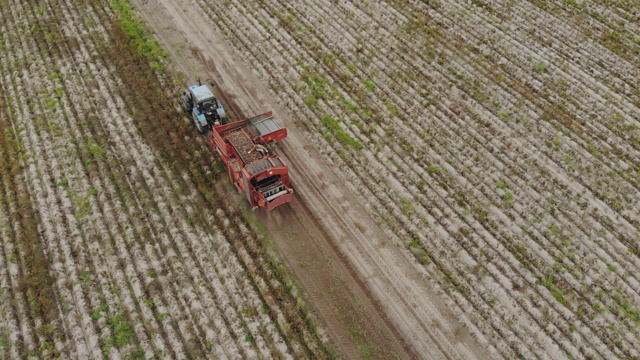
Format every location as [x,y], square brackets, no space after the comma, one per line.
[243,146]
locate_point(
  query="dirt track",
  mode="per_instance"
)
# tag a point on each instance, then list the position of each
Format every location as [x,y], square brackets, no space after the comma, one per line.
[366,294]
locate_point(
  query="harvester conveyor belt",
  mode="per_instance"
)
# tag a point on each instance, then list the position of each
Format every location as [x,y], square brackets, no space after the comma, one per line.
[243,145]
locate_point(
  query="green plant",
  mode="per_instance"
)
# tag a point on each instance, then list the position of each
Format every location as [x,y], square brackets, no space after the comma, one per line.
[508,197]
[95,150]
[415,243]
[83,206]
[540,68]
[122,331]
[134,30]
[137,354]
[370,85]
[366,350]
[406,205]
[247,311]
[51,103]
[366,113]
[249,337]
[86,278]
[557,294]
[97,313]
[4,340]
[334,128]
[316,84]
[349,105]
[329,58]
[392,108]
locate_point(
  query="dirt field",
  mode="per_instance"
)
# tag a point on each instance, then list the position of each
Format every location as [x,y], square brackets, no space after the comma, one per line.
[490,200]
[329,240]
[466,177]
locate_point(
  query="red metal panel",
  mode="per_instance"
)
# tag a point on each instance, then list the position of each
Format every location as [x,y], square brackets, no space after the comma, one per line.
[281,200]
[275,136]
[218,143]
[221,129]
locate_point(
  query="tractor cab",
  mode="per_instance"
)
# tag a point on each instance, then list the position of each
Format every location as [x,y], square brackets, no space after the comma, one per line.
[206,110]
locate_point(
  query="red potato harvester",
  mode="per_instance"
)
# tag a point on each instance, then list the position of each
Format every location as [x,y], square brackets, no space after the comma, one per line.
[261,175]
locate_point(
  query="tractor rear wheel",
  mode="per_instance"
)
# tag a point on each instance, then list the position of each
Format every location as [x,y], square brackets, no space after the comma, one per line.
[199,126]
[186,103]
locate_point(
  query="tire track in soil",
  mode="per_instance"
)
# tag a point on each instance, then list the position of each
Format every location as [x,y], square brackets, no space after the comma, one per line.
[380,280]
[321,263]
[230,106]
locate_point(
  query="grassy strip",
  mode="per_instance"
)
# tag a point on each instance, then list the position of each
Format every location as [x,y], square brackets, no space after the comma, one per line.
[133,29]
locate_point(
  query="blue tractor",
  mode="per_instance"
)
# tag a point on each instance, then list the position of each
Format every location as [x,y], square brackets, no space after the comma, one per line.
[206,111]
